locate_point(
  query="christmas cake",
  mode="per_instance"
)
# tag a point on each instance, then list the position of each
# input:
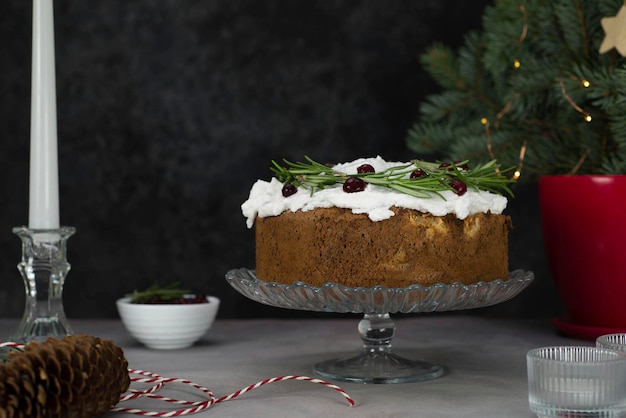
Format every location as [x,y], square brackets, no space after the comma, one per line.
[371,222]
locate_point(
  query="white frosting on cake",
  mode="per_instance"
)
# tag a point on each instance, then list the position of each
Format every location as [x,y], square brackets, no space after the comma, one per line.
[266,198]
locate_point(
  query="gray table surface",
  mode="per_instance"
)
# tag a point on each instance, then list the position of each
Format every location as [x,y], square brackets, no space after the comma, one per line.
[484,360]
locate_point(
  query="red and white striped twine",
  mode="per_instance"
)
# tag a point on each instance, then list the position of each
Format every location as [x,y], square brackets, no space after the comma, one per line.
[191,407]
[12,345]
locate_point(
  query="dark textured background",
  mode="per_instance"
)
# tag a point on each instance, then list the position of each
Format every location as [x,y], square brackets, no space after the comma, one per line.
[168,110]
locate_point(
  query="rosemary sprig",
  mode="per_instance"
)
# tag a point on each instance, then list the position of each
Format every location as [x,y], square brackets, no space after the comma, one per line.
[314,176]
[310,175]
[164,293]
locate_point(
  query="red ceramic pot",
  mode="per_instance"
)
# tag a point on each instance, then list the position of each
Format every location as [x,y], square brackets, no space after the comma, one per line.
[584,227]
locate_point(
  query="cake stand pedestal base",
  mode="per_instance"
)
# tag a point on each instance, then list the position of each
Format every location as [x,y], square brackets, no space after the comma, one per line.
[376,363]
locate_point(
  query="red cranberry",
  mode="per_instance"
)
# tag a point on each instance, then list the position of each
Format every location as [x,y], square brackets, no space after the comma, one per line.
[185,300]
[353,184]
[289,189]
[459,187]
[195,298]
[417,174]
[456,163]
[365,168]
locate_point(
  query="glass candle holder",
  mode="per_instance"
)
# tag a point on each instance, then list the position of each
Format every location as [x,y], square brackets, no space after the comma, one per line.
[43,267]
[576,382]
[615,342]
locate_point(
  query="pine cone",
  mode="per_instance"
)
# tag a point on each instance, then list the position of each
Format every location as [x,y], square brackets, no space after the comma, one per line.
[77,376]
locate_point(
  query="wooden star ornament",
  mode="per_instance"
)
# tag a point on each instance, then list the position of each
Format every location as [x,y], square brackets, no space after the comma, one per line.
[615,32]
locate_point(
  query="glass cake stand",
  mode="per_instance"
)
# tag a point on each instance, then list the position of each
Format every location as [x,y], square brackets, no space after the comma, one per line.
[376,363]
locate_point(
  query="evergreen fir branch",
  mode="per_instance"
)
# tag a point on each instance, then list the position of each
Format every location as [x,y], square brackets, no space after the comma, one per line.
[430,138]
[573,27]
[440,62]
[469,67]
[540,104]
[614,165]
[445,105]
[608,7]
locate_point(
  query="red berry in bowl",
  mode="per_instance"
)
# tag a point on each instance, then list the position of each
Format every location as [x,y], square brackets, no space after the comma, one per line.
[365,168]
[289,189]
[192,298]
[353,184]
[171,294]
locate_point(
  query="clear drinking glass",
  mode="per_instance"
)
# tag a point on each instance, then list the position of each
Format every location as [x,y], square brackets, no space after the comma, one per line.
[576,382]
[615,342]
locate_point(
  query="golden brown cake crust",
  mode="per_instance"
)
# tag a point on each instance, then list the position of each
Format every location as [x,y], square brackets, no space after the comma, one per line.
[335,245]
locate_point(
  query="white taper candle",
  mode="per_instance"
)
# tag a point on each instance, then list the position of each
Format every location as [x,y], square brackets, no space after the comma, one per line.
[44,176]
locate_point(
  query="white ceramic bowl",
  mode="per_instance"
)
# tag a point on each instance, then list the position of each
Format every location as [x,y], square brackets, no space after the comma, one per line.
[167,326]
